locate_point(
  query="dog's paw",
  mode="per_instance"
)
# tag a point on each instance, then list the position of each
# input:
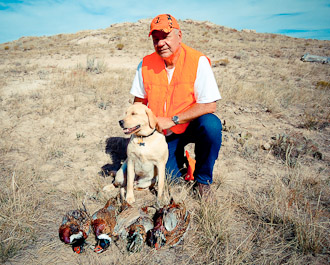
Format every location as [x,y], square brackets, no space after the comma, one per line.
[130,199]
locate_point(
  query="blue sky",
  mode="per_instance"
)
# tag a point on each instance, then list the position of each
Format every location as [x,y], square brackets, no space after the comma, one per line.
[296,18]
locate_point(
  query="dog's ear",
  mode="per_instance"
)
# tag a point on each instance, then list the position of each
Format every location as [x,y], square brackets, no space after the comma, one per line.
[152,118]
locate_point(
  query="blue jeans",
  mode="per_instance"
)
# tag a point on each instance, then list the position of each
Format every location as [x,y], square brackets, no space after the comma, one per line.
[206,133]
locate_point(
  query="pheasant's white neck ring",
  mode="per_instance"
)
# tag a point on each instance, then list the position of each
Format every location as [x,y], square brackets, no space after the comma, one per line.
[76,236]
[104,236]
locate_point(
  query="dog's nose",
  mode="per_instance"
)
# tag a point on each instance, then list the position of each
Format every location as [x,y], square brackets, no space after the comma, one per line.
[121,123]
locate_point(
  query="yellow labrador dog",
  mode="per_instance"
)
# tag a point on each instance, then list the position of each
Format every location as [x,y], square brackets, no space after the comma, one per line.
[147,153]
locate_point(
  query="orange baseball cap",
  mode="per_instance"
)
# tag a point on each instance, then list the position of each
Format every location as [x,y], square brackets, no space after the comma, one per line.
[164,22]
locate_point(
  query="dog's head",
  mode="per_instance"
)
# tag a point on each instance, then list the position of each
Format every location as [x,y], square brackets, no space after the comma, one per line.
[138,120]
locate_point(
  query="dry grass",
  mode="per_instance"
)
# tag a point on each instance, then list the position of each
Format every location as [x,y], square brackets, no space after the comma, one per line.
[60,106]
[282,222]
[20,210]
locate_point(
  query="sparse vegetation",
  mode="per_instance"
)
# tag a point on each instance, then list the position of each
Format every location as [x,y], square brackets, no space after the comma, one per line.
[20,210]
[323,85]
[221,62]
[120,46]
[95,66]
[315,120]
[290,147]
[80,136]
[59,128]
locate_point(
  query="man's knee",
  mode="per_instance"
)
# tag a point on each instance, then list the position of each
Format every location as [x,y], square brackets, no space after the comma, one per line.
[210,125]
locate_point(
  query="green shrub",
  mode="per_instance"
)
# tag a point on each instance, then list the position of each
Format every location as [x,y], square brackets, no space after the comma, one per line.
[120,46]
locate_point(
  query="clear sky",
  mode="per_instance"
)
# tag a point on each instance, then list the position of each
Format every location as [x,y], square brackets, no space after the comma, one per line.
[296,18]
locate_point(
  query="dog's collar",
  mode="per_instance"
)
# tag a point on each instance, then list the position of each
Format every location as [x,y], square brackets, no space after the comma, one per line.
[149,134]
[140,141]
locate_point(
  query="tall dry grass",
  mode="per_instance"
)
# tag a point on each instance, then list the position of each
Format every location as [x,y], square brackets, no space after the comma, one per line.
[284,222]
[21,211]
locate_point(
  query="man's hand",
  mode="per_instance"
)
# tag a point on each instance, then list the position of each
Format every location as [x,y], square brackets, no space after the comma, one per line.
[195,111]
[164,123]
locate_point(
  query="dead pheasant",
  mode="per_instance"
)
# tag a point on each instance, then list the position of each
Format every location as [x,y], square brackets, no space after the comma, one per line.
[132,223]
[170,225]
[137,232]
[75,228]
[103,224]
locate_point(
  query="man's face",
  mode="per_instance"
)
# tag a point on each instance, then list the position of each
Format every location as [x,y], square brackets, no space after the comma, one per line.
[166,44]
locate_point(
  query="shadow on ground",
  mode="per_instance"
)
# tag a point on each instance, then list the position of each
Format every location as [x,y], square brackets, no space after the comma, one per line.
[116,149]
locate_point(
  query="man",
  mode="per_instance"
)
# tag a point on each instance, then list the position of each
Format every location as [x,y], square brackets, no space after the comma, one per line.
[178,85]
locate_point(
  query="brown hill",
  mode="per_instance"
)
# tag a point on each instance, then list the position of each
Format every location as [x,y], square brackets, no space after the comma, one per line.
[62,96]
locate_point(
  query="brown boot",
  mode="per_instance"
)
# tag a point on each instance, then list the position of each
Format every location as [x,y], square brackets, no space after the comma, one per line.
[204,191]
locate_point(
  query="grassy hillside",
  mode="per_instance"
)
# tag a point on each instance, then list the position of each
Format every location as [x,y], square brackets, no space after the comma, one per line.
[62,96]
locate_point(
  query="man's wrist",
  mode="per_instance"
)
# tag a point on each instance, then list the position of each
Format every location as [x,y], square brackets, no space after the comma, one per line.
[176,120]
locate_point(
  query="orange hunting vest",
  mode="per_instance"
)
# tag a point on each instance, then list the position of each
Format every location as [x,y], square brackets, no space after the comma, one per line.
[167,100]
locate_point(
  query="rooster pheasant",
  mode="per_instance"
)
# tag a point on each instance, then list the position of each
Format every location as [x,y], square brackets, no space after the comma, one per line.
[133,223]
[75,228]
[137,232]
[170,225]
[103,224]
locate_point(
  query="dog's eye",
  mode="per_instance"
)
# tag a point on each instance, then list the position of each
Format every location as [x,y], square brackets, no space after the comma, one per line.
[133,113]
